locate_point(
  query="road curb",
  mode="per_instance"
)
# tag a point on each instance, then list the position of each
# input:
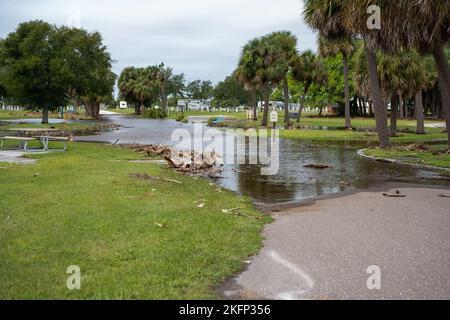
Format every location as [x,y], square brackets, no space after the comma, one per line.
[394,161]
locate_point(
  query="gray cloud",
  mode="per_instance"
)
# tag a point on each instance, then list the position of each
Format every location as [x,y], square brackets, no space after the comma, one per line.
[201,38]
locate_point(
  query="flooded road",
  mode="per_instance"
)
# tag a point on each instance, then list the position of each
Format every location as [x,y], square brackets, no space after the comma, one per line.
[293,182]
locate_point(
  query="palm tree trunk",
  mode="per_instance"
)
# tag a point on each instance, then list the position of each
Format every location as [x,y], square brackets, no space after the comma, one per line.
[394,113]
[348,124]
[286,100]
[254,105]
[45,115]
[401,103]
[444,85]
[380,108]
[265,119]
[164,99]
[302,102]
[418,107]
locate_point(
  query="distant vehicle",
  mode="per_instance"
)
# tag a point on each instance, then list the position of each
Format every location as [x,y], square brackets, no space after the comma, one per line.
[123,105]
[218,120]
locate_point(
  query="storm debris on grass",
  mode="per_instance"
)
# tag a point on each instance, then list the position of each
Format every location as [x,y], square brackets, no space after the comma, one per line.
[152,150]
[207,164]
[318,166]
[161,225]
[145,176]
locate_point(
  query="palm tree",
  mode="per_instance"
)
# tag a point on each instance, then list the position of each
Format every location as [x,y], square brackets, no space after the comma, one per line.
[286,43]
[265,67]
[402,74]
[331,47]
[324,16]
[126,83]
[163,75]
[307,69]
[353,17]
[425,25]
[246,74]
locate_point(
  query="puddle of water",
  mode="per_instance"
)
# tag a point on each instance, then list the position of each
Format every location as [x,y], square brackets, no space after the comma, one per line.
[293,182]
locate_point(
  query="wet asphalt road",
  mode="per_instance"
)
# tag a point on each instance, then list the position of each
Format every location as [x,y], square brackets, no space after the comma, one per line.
[323,251]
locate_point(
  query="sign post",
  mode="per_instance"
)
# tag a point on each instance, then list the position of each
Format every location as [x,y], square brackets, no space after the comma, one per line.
[274,118]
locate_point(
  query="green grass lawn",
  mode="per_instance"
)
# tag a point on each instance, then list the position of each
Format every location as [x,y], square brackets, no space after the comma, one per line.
[356,136]
[26,114]
[82,208]
[59,126]
[237,115]
[22,114]
[122,111]
[428,157]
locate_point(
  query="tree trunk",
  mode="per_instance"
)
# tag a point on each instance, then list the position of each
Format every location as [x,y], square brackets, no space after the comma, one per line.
[302,102]
[401,103]
[380,108]
[164,100]
[45,115]
[444,85]
[286,101]
[265,119]
[394,112]
[420,117]
[137,109]
[348,124]
[254,105]
[96,109]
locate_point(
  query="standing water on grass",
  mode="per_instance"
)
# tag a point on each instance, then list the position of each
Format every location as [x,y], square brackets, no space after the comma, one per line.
[293,182]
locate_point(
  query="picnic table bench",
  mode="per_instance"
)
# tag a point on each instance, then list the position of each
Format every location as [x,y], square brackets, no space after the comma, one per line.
[40,134]
[23,141]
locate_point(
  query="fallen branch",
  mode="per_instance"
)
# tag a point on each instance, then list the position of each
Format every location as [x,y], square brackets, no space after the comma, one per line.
[394,195]
[318,166]
[145,176]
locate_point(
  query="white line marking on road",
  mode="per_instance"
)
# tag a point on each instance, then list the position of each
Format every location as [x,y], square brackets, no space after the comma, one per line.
[292,295]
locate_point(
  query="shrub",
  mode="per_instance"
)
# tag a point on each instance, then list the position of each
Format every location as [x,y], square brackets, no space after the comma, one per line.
[155,114]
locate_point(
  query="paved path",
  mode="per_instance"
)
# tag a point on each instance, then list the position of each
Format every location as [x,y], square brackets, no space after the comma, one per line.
[322,251]
[13,156]
[436,125]
[109,113]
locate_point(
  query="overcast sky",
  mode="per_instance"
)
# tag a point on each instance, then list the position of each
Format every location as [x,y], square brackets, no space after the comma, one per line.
[201,38]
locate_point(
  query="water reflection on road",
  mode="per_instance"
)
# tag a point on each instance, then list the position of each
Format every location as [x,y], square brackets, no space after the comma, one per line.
[293,182]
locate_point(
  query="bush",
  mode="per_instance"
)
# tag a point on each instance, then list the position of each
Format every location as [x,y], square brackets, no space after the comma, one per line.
[155,114]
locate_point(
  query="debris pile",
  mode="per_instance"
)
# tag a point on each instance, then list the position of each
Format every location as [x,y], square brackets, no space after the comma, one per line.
[152,150]
[206,164]
[415,147]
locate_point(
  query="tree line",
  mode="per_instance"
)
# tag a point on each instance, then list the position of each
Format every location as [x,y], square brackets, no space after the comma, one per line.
[44,67]
[404,65]
[144,88]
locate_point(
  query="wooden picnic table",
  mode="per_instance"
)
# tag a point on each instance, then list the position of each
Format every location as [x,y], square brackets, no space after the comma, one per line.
[42,134]
[23,131]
